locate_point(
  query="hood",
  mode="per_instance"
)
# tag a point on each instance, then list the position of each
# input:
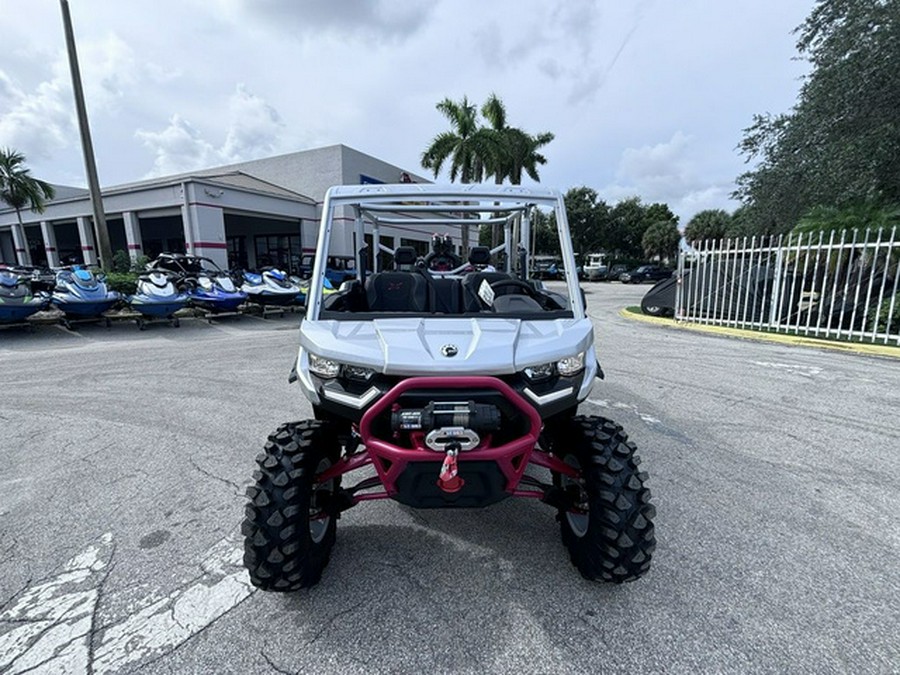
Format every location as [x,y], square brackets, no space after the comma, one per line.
[424,346]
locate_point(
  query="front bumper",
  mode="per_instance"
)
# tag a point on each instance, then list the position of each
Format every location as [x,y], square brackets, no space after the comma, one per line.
[349,399]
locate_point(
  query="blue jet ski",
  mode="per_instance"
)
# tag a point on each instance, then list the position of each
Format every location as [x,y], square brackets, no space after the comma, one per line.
[208,285]
[82,294]
[269,286]
[17,299]
[156,297]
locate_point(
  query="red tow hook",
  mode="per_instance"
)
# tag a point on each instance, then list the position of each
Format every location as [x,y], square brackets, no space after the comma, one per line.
[449,480]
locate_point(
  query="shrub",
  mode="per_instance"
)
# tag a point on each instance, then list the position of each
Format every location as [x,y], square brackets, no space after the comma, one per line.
[892,327]
[123,282]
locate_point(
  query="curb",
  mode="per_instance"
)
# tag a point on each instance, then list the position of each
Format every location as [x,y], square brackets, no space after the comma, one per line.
[798,341]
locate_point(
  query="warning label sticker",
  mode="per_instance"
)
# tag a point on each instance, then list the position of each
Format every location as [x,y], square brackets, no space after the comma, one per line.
[486,293]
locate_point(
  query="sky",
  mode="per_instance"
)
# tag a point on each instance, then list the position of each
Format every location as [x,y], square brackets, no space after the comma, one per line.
[646,98]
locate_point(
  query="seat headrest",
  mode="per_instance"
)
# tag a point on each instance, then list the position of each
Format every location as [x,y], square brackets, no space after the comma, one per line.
[480,255]
[405,255]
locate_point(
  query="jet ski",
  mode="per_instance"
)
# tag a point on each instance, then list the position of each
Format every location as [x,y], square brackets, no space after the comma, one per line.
[269,286]
[208,285]
[328,288]
[157,297]
[82,294]
[18,300]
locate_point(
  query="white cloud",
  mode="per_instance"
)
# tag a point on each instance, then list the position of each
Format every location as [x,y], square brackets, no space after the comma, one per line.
[255,127]
[178,148]
[40,122]
[255,130]
[668,172]
[372,20]
[607,78]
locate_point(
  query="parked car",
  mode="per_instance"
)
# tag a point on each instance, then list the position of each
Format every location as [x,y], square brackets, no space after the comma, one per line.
[645,273]
[340,268]
[547,269]
[616,271]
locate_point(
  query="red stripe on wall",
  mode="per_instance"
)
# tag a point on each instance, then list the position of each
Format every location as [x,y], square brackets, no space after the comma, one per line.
[134,247]
[87,248]
[209,244]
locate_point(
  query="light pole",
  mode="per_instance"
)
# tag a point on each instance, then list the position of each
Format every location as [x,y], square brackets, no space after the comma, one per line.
[90,166]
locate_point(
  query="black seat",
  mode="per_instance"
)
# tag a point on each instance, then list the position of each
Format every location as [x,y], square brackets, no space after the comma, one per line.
[480,256]
[396,292]
[404,255]
[446,295]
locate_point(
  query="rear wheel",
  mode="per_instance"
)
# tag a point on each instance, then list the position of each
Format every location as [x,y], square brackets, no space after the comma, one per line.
[288,536]
[608,525]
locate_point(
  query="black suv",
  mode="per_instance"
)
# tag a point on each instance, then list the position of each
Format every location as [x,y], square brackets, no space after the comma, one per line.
[645,273]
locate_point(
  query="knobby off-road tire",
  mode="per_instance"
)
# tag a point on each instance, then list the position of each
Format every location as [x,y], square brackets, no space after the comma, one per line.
[610,536]
[284,549]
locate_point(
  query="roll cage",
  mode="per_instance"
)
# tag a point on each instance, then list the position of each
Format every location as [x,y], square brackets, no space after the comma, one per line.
[449,287]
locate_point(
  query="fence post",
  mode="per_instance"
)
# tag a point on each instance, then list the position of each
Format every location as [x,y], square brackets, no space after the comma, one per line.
[775,306]
[679,284]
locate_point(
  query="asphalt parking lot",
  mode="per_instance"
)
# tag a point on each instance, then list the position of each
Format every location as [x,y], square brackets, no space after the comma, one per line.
[125,455]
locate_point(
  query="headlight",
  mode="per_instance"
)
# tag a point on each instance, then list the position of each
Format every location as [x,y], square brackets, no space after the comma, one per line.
[358,373]
[539,373]
[571,365]
[324,368]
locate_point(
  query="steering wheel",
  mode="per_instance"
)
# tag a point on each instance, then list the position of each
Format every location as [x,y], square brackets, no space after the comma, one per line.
[519,284]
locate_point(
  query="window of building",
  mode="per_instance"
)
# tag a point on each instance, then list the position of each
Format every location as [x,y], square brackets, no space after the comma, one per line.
[237,253]
[279,250]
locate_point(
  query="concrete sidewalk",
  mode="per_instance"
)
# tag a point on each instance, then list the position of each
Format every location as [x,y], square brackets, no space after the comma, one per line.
[798,340]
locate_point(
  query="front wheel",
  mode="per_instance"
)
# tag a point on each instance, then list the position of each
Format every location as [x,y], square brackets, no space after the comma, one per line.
[288,535]
[607,526]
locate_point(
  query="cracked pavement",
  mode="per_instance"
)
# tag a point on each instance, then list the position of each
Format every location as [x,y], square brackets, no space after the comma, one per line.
[125,456]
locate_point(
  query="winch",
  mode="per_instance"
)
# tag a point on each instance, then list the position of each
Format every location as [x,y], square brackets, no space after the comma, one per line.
[449,423]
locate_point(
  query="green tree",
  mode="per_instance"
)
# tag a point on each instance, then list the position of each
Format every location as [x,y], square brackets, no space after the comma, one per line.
[627,227]
[739,224]
[546,241]
[586,214]
[839,146]
[661,239]
[18,187]
[706,225]
[855,217]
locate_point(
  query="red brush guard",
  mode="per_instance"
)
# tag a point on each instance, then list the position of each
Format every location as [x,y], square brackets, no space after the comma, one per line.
[446,451]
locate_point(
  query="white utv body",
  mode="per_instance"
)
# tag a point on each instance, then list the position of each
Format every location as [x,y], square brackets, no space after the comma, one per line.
[453,375]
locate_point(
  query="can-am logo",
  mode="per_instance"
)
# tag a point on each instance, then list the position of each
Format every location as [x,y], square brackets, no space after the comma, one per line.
[449,350]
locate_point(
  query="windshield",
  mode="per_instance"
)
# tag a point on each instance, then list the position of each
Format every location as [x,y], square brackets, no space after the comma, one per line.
[446,250]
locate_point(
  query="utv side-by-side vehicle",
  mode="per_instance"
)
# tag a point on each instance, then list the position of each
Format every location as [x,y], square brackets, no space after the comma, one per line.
[442,376]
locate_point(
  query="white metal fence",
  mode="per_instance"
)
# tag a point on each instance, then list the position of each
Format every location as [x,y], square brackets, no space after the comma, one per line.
[840,285]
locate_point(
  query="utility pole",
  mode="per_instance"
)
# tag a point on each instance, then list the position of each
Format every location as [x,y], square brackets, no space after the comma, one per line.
[87,148]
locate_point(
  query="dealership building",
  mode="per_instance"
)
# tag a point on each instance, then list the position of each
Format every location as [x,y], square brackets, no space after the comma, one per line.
[262,212]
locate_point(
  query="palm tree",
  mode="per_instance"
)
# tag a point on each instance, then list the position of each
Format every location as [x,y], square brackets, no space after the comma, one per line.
[494,111]
[523,154]
[466,145]
[515,150]
[19,188]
